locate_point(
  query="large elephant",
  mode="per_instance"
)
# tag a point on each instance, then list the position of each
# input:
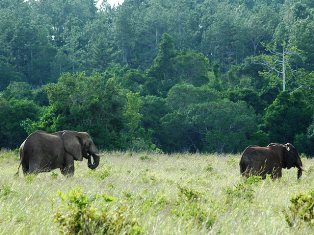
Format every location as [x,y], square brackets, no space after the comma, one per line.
[271,159]
[43,152]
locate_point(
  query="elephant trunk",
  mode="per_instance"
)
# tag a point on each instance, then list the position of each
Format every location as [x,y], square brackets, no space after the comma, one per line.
[93,164]
[300,169]
[299,166]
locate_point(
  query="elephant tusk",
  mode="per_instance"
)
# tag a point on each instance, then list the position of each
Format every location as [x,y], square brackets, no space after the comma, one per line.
[93,161]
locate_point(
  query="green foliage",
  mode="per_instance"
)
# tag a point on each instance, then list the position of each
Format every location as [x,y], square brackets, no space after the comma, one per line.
[156,203]
[77,215]
[18,90]
[209,168]
[158,76]
[99,112]
[301,209]
[30,178]
[251,97]
[6,190]
[54,175]
[135,137]
[243,191]
[144,157]
[189,207]
[284,113]
[195,74]
[252,180]
[101,173]
[188,194]
[6,154]
[12,114]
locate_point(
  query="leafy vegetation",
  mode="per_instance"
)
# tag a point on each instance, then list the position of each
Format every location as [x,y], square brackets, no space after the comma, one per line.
[77,216]
[196,76]
[301,209]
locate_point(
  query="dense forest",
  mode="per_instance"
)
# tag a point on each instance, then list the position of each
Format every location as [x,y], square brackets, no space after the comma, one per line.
[159,75]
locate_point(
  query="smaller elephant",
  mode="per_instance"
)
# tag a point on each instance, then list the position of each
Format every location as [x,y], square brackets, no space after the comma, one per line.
[271,159]
[43,152]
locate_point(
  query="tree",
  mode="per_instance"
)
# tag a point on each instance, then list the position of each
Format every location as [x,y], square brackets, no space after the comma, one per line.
[191,67]
[183,95]
[224,125]
[287,116]
[12,115]
[134,135]
[160,75]
[86,103]
[251,97]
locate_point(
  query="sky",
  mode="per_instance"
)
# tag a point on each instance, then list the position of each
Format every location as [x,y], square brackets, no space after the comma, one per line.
[112,2]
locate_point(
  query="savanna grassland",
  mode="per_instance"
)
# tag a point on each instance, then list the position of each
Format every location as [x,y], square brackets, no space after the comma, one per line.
[141,193]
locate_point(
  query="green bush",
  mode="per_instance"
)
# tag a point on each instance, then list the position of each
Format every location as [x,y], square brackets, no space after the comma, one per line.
[242,191]
[197,212]
[189,194]
[153,203]
[190,206]
[78,215]
[254,179]
[144,157]
[301,209]
[101,173]
[5,190]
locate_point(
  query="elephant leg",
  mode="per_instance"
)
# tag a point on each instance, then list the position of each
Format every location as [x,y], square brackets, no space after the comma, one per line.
[68,168]
[277,173]
[25,168]
[67,171]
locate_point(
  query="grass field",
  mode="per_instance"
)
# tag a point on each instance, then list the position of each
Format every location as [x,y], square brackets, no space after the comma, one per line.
[158,194]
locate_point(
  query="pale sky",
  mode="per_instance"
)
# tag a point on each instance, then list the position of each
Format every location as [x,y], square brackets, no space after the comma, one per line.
[112,2]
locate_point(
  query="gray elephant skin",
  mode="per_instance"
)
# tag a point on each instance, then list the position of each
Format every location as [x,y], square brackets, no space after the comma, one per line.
[271,159]
[43,152]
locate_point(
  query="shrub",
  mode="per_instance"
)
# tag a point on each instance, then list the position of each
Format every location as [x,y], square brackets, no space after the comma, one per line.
[101,173]
[242,191]
[5,190]
[54,175]
[153,203]
[144,157]
[254,179]
[190,207]
[301,209]
[30,178]
[77,215]
[188,194]
[195,211]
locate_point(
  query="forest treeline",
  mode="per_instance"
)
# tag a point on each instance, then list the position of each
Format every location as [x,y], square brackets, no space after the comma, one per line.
[180,75]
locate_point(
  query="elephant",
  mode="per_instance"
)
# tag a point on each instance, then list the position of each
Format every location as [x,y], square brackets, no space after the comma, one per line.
[271,159]
[43,152]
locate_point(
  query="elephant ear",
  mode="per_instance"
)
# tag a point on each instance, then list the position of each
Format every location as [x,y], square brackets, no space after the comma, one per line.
[72,145]
[289,156]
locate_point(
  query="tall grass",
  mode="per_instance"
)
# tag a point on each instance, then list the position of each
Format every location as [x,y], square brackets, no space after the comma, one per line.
[161,194]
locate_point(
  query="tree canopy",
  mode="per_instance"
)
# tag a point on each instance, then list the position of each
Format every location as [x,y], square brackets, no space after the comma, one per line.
[181,75]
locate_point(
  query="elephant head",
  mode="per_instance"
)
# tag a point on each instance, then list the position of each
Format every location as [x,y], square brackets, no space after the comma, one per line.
[292,158]
[79,145]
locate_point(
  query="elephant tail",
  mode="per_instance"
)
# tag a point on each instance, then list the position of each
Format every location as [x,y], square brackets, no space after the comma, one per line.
[21,160]
[18,169]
